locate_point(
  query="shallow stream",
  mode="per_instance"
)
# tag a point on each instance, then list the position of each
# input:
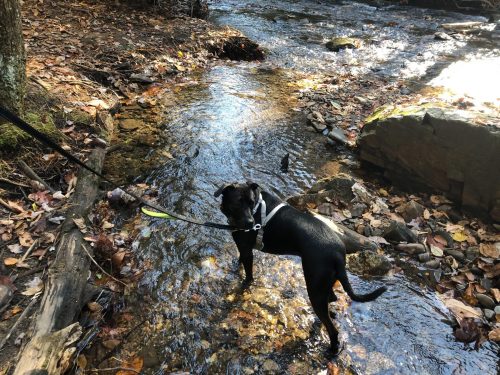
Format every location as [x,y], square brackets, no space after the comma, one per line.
[235,123]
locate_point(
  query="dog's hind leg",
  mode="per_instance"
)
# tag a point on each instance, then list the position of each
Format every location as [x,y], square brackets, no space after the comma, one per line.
[318,289]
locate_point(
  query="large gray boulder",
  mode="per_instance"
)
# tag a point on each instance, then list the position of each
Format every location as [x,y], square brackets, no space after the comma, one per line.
[438,147]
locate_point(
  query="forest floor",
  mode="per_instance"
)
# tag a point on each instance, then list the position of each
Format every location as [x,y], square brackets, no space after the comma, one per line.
[89,62]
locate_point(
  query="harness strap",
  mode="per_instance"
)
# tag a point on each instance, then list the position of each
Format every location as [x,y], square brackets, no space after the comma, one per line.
[264,219]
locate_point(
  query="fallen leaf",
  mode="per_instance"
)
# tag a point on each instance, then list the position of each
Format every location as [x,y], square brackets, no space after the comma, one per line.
[135,363]
[496,294]
[33,287]
[80,223]
[468,331]
[81,361]
[107,225]
[459,309]
[469,296]
[15,249]
[427,214]
[459,236]
[490,250]
[111,343]
[436,251]
[10,261]
[58,195]
[494,334]
[25,239]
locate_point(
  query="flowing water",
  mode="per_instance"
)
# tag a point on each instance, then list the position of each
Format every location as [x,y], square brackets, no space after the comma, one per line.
[235,123]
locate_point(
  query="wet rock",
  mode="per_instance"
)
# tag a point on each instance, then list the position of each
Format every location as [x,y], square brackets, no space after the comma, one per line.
[433,264]
[358,209]
[442,36]
[338,187]
[130,124]
[444,157]
[412,249]
[270,366]
[472,253]
[489,314]
[411,210]
[485,301]
[398,232]
[476,271]
[424,257]
[368,263]
[458,255]
[336,44]
[497,309]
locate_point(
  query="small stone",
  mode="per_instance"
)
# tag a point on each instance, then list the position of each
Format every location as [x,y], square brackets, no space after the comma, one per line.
[489,314]
[472,253]
[358,209]
[458,255]
[130,124]
[433,263]
[398,232]
[486,283]
[368,263]
[425,257]
[497,309]
[412,210]
[5,295]
[485,301]
[442,36]
[270,366]
[476,271]
[336,44]
[411,248]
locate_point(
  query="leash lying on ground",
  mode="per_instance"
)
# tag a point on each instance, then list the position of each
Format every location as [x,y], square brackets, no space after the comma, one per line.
[163,213]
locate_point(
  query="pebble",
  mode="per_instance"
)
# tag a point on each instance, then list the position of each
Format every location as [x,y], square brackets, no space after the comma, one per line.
[497,309]
[485,301]
[489,314]
[270,366]
[411,248]
[458,255]
[433,263]
[472,253]
[425,257]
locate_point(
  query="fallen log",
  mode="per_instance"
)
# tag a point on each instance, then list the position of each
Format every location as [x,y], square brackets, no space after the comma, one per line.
[53,328]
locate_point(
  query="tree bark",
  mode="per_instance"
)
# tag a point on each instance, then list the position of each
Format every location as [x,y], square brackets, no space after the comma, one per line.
[12,57]
[54,332]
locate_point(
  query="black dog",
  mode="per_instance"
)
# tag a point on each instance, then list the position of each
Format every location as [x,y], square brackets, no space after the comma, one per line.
[291,232]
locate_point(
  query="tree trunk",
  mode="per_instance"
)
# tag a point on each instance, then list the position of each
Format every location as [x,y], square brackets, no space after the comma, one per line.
[12,56]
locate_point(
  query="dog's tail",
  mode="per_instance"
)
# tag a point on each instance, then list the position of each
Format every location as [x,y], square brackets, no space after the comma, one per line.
[342,277]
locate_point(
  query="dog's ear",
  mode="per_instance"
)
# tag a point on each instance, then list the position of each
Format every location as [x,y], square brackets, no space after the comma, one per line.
[222,189]
[253,185]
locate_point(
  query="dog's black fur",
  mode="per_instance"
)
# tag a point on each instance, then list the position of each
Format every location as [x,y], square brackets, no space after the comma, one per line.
[292,232]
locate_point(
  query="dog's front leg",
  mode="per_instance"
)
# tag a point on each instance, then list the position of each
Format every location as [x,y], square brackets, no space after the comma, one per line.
[245,242]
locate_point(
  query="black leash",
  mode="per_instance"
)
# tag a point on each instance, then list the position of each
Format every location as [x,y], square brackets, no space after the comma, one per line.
[43,138]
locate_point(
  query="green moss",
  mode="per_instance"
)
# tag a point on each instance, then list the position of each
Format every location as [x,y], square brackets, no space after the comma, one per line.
[388,111]
[11,137]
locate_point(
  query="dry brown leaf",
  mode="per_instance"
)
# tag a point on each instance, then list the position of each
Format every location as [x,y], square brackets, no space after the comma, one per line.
[494,335]
[490,250]
[469,296]
[80,223]
[111,343]
[459,309]
[10,261]
[135,363]
[495,293]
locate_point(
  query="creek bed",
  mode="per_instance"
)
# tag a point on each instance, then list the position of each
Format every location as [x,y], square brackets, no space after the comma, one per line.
[235,123]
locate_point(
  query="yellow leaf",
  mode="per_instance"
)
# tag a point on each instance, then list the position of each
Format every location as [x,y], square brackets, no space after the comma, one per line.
[10,261]
[135,363]
[180,54]
[459,236]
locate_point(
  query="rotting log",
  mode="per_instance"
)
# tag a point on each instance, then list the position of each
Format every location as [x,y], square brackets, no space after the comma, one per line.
[53,327]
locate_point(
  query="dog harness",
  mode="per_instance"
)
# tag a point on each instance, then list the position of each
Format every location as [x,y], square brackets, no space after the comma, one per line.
[264,219]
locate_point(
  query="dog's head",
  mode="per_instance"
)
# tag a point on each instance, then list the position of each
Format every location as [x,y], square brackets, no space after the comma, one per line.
[238,201]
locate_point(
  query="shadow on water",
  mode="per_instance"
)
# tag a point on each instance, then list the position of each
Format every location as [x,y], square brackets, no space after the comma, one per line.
[235,123]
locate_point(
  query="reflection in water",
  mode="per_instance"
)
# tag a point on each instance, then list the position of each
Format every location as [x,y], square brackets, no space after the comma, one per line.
[236,124]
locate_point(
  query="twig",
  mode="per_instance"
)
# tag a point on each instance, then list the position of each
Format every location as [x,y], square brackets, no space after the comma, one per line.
[30,249]
[13,183]
[31,271]
[18,321]
[9,207]
[114,369]
[31,174]
[102,270]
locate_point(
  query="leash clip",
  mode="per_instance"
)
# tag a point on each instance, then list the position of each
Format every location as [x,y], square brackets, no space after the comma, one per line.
[255,227]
